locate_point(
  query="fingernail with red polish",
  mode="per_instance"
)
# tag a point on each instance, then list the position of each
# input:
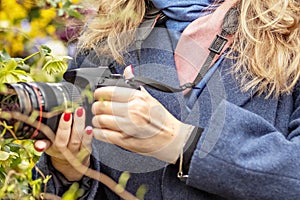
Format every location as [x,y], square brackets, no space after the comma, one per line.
[89,130]
[79,112]
[132,69]
[40,147]
[67,116]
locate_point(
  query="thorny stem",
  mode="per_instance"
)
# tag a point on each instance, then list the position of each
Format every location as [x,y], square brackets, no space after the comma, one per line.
[71,158]
[42,175]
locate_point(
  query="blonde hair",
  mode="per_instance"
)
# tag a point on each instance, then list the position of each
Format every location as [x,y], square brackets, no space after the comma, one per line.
[267,40]
[111,30]
[268,45]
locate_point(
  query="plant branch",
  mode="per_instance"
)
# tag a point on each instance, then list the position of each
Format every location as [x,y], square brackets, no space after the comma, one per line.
[30,56]
[71,158]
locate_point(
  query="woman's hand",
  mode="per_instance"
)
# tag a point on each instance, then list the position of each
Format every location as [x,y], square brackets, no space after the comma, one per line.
[136,121]
[72,138]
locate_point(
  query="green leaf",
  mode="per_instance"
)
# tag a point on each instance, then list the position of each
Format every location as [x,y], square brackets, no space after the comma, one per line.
[124,179]
[24,165]
[83,153]
[14,147]
[56,65]
[6,148]
[60,12]
[4,56]
[10,74]
[8,79]
[74,13]
[74,192]
[2,173]
[16,162]
[11,65]
[4,155]
[67,4]
[13,76]
[45,50]
[48,177]
[141,191]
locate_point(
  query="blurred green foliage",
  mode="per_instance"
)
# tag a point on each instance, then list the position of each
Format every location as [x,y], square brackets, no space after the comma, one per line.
[27,27]
[18,157]
[24,26]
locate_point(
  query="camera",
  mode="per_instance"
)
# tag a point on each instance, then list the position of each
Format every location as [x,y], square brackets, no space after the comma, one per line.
[44,103]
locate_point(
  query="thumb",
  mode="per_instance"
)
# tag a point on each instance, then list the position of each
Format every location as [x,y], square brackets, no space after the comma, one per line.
[128,72]
[41,145]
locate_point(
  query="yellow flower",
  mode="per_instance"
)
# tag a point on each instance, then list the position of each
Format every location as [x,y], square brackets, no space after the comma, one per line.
[13,43]
[48,14]
[51,29]
[28,4]
[13,10]
[17,142]
[3,16]
[60,5]
[17,44]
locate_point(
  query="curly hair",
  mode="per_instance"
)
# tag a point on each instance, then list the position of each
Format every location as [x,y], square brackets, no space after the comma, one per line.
[267,41]
[111,30]
[268,44]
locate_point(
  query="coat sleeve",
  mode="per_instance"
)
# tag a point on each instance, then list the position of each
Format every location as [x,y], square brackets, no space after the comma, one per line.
[249,158]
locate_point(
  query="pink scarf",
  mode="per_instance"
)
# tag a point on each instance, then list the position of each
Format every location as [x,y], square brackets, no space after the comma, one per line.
[192,48]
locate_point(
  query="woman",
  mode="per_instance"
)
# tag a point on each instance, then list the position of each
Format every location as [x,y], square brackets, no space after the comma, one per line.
[239,135]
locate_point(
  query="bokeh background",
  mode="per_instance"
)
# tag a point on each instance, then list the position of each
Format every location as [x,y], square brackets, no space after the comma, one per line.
[26,24]
[36,38]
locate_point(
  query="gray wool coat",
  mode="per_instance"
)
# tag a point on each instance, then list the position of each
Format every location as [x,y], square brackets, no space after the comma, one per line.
[249,149]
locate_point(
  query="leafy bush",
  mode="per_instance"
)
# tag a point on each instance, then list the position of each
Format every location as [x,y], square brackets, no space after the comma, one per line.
[24,26]
[18,157]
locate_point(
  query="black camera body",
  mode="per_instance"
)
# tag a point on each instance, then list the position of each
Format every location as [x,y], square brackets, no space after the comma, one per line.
[47,101]
[97,77]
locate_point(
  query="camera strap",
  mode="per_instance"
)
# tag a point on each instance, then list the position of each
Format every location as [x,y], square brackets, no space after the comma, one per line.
[229,27]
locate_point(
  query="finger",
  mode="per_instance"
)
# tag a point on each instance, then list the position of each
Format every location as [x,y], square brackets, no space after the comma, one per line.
[128,72]
[41,145]
[144,91]
[125,126]
[113,93]
[77,130]
[109,108]
[119,139]
[114,123]
[87,140]
[63,131]
[108,136]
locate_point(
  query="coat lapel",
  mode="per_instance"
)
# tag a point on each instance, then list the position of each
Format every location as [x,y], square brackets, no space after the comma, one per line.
[224,86]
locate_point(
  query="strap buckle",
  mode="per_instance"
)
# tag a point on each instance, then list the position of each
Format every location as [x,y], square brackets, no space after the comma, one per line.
[218,44]
[187,85]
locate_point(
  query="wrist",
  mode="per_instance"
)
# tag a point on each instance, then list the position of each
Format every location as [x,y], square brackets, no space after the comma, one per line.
[68,170]
[170,152]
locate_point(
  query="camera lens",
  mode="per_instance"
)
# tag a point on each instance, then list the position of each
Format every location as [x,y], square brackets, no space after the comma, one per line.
[44,102]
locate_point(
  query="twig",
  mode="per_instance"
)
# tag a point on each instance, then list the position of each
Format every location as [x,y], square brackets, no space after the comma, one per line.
[73,160]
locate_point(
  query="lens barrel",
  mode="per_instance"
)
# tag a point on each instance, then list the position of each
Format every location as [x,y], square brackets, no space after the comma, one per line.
[44,101]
